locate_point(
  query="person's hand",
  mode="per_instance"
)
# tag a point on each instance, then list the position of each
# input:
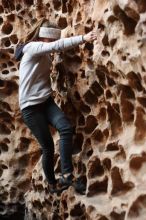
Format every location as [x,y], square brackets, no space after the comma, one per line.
[92,35]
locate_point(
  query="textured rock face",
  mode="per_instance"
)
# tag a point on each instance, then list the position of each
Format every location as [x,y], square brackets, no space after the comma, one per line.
[102,89]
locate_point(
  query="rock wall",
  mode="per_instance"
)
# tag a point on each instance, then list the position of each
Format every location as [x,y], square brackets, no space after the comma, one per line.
[101,87]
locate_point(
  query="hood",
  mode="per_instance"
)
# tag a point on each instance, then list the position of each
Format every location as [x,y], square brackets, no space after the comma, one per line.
[19,51]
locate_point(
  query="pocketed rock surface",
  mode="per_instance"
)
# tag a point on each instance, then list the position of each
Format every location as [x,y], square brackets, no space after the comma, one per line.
[101,88]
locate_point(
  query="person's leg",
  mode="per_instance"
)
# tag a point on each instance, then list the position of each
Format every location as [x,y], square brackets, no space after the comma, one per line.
[58,119]
[34,117]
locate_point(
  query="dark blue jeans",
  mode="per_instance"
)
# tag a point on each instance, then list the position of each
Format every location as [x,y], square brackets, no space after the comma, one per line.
[37,118]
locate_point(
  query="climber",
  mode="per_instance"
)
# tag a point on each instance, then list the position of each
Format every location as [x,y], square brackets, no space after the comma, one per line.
[35,97]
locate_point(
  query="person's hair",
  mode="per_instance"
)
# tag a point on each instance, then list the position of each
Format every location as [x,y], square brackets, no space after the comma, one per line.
[34,33]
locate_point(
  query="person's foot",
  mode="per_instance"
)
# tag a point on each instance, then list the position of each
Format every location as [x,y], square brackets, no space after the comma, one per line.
[69,180]
[54,188]
[66,180]
[79,186]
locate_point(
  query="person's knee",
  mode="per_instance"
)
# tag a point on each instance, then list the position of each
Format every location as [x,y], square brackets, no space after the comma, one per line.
[64,127]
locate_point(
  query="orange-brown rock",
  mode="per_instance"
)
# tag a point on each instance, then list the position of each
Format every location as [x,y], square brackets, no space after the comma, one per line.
[102,88]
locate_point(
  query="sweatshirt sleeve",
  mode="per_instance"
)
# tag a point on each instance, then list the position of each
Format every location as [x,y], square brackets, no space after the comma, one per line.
[40,48]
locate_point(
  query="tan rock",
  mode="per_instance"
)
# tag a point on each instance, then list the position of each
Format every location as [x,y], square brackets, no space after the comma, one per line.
[103,93]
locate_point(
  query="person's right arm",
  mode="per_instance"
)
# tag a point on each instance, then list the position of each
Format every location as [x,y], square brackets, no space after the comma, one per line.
[40,48]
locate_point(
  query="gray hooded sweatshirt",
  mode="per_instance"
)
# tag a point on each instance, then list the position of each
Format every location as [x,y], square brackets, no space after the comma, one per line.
[34,77]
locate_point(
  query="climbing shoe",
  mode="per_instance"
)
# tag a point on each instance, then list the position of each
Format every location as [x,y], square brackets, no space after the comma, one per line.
[65,182]
[54,188]
[79,186]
